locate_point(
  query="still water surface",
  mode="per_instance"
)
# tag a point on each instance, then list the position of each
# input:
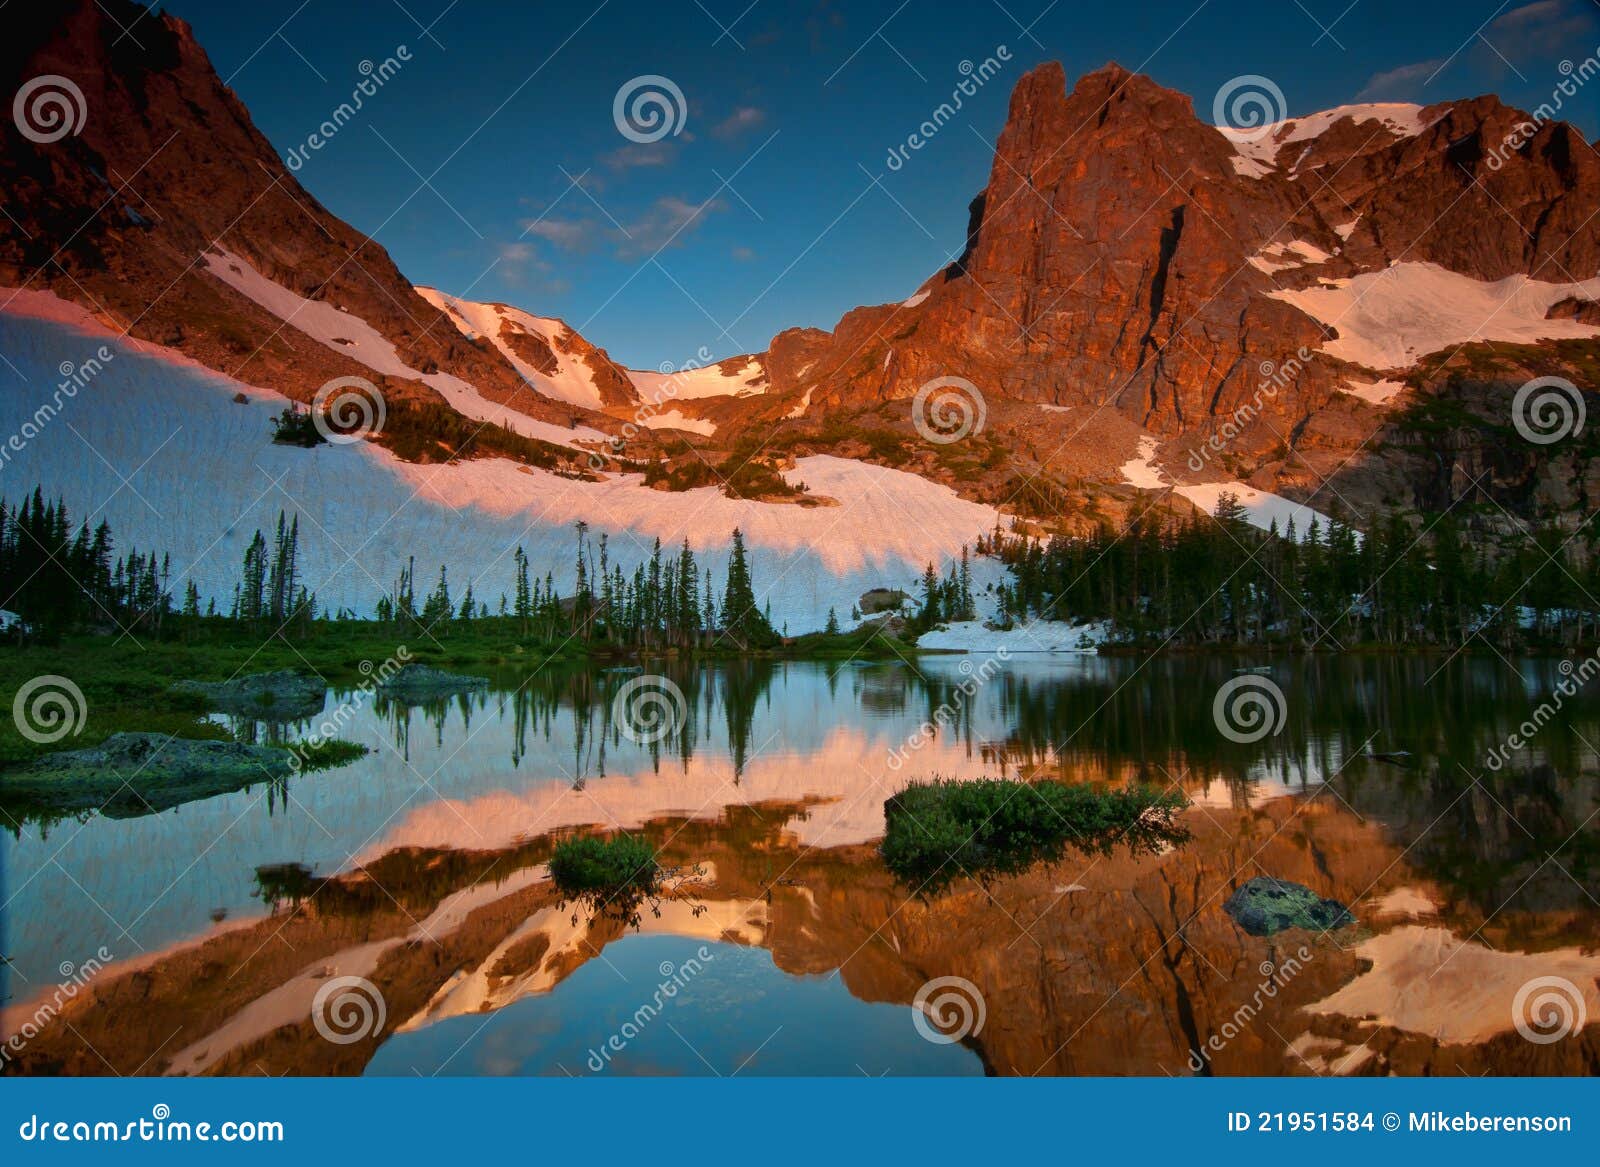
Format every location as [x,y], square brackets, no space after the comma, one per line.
[419,869]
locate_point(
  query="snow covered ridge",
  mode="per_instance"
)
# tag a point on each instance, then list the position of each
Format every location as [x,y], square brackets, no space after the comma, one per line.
[1393,318]
[572,379]
[346,333]
[202,475]
[1258,146]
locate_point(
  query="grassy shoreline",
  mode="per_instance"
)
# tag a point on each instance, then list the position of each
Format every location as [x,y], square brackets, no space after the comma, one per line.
[127,684]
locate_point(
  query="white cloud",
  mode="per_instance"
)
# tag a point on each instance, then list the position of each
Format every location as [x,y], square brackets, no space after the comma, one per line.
[1403,83]
[741,120]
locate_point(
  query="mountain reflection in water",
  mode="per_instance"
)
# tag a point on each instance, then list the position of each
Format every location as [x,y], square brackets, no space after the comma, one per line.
[420,868]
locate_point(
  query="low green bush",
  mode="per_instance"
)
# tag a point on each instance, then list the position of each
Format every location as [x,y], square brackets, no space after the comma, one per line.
[612,877]
[941,830]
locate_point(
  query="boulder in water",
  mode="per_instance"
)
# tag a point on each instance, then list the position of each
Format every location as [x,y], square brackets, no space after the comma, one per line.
[1266,906]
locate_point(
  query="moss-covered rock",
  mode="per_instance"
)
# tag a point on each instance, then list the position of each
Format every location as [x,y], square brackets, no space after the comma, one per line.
[131,774]
[281,694]
[1266,906]
[422,683]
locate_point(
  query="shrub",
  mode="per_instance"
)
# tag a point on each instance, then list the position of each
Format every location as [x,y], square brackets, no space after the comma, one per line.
[941,830]
[296,427]
[612,877]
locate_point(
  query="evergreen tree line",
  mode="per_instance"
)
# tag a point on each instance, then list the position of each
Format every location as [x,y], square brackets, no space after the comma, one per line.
[59,580]
[1218,580]
[667,601]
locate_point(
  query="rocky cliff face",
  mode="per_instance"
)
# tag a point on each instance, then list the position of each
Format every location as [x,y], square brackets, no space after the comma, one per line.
[166,167]
[1126,255]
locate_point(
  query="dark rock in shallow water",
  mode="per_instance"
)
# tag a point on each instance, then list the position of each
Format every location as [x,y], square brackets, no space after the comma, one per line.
[281,694]
[130,774]
[1266,906]
[420,683]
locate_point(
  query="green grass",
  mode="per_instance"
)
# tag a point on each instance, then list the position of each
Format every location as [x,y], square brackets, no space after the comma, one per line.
[126,684]
[942,830]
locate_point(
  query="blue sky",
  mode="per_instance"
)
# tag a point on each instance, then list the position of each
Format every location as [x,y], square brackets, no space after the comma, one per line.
[762,211]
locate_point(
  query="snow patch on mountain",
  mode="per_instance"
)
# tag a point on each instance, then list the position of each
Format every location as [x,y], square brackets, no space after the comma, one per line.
[674,419]
[1393,318]
[1032,636]
[1261,508]
[1282,256]
[1377,392]
[1258,146]
[723,379]
[573,380]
